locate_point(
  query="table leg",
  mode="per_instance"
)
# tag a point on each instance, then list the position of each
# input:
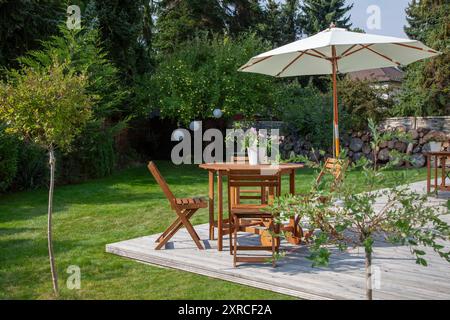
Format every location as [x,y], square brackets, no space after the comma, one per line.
[211,205]
[292,182]
[443,159]
[428,173]
[435,173]
[220,209]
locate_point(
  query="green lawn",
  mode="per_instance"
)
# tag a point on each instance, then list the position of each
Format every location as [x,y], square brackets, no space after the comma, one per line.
[88,216]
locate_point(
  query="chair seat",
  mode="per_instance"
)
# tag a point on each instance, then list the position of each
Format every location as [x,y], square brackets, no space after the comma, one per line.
[191,203]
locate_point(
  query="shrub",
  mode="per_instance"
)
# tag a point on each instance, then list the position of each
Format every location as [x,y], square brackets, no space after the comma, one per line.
[8,159]
[307,112]
[201,75]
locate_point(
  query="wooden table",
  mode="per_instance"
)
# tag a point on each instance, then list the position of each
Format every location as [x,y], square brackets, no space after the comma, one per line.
[221,170]
[442,156]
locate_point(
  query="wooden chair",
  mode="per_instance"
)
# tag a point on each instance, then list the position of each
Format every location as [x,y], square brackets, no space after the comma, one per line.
[183,207]
[334,167]
[246,193]
[244,215]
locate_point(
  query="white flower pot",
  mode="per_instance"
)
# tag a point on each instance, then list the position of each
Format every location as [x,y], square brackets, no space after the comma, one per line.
[435,146]
[252,156]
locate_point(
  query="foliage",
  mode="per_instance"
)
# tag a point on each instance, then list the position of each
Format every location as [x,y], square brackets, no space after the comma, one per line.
[426,88]
[32,168]
[306,112]
[48,106]
[179,21]
[121,26]
[362,99]
[93,155]
[201,76]
[23,23]
[8,159]
[281,22]
[317,15]
[342,217]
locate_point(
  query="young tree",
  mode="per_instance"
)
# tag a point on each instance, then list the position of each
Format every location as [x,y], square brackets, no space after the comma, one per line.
[317,15]
[48,106]
[340,217]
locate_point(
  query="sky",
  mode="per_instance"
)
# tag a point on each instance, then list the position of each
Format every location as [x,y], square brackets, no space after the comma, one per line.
[392,17]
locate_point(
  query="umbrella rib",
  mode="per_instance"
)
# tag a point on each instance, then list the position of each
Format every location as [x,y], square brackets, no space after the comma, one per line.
[345,52]
[320,53]
[357,50]
[383,56]
[251,65]
[290,63]
[414,47]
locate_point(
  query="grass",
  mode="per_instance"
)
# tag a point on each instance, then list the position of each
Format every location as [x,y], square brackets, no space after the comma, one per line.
[126,205]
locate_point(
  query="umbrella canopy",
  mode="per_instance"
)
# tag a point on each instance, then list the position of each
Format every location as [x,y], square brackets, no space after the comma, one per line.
[337,50]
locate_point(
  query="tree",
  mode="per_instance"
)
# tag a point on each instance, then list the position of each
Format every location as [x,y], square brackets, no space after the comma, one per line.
[317,15]
[345,219]
[281,22]
[121,27]
[92,154]
[363,99]
[200,76]
[48,106]
[244,16]
[180,20]
[23,23]
[426,88]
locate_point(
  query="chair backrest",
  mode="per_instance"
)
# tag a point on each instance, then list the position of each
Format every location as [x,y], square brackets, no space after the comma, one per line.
[162,182]
[239,159]
[334,167]
[254,178]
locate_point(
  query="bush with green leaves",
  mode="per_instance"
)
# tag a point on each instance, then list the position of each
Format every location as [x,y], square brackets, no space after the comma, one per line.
[93,154]
[201,75]
[307,112]
[8,159]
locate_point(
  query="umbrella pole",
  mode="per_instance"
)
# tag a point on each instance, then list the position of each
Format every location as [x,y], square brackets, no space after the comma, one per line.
[335,105]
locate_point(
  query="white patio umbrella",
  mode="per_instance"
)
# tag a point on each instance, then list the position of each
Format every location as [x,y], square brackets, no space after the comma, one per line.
[337,50]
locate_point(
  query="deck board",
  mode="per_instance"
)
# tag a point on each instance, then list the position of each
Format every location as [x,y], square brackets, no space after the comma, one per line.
[400,276]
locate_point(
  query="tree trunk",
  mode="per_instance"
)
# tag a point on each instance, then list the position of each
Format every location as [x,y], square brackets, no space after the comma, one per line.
[52,162]
[368,275]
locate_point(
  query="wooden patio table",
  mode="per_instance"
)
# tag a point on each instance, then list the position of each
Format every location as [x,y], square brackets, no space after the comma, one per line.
[221,169]
[442,155]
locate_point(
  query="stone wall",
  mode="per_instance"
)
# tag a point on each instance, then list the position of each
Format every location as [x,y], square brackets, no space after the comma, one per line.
[357,145]
[430,123]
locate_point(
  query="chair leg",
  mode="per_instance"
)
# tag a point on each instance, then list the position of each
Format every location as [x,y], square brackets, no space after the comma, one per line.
[184,221]
[177,224]
[236,226]
[231,229]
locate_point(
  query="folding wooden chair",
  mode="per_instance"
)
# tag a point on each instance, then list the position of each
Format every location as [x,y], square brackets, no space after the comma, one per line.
[184,208]
[243,215]
[246,193]
[334,167]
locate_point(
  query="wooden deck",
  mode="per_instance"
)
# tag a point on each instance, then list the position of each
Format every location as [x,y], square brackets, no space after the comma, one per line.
[398,277]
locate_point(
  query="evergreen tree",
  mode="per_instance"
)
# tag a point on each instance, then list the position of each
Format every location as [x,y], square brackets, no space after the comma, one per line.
[244,15]
[426,88]
[290,21]
[121,24]
[23,23]
[179,20]
[317,15]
